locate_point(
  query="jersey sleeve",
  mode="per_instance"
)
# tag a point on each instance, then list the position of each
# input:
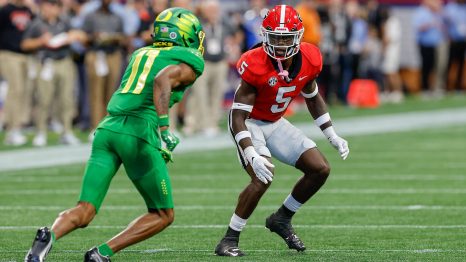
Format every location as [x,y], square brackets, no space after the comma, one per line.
[245,70]
[191,57]
[314,57]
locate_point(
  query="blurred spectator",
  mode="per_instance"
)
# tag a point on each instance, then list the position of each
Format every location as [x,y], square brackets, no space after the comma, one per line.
[186,4]
[204,105]
[327,78]
[371,59]
[342,33]
[429,28]
[358,37]
[311,21]
[147,15]
[391,38]
[49,36]
[104,59]
[253,21]
[455,17]
[374,15]
[14,18]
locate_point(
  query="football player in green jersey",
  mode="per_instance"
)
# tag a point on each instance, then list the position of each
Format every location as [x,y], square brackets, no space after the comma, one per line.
[155,79]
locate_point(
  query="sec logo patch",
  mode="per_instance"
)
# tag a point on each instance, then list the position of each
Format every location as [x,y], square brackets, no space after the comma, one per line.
[273,81]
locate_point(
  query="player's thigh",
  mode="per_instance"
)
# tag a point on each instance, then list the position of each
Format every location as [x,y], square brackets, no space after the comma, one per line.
[148,172]
[100,170]
[287,143]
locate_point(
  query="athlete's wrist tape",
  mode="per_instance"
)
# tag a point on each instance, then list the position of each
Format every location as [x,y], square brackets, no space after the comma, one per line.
[242,106]
[322,119]
[240,135]
[164,120]
[311,95]
[329,132]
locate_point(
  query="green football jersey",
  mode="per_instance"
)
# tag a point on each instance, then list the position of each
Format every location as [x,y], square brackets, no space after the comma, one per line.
[131,109]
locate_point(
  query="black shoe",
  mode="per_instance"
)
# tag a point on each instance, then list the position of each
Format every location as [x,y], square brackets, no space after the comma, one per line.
[283,228]
[228,247]
[40,246]
[93,255]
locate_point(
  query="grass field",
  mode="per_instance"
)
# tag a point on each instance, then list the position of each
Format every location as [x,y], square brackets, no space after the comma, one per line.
[398,197]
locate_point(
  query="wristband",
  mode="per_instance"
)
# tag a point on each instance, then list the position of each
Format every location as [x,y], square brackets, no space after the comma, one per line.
[329,132]
[241,135]
[164,120]
[322,119]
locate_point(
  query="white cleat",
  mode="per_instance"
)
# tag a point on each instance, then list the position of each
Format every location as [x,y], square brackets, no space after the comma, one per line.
[40,140]
[70,139]
[15,138]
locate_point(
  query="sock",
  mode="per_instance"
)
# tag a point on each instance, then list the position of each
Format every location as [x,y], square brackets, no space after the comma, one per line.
[236,226]
[105,250]
[54,239]
[292,204]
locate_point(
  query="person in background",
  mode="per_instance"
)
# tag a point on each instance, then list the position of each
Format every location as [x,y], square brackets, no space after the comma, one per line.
[49,36]
[204,105]
[391,39]
[311,21]
[429,27]
[252,22]
[104,59]
[15,16]
[455,17]
[358,37]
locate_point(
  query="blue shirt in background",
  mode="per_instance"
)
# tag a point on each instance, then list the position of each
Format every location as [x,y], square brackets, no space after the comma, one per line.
[428,27]
[455,17]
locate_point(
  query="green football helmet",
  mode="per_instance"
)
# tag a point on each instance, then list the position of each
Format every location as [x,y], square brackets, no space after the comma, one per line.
[178,27]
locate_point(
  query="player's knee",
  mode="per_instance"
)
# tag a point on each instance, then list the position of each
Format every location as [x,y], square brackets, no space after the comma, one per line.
[323,171]
[320,172]
[168,216]
[259,187]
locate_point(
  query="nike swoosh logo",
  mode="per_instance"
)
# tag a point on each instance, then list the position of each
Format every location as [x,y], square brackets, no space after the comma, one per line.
[301,78]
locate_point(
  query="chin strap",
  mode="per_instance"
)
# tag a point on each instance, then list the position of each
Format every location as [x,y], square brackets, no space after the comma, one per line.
[283,73]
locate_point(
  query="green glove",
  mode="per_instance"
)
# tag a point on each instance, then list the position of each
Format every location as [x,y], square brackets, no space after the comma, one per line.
[166,155]
[170,140]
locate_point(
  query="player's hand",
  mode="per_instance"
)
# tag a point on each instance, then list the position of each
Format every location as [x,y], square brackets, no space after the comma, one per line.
[341,145]
[170,140]
[259,165]
[166,155]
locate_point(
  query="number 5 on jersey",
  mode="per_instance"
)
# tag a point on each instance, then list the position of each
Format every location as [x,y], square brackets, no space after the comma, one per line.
[282,100]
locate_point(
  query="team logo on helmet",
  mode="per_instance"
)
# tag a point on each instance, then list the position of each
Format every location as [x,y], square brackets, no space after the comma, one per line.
[173,35]
[273,81]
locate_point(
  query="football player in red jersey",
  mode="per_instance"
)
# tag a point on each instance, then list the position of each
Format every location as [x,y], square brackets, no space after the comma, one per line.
[272,76]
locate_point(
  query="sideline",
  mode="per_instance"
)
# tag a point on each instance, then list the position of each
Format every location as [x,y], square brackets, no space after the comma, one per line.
[355,126]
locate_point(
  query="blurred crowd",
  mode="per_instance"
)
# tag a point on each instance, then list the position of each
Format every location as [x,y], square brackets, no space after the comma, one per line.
[61,60]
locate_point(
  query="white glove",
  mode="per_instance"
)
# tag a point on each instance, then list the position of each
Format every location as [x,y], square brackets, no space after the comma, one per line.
[259,164]
[337,142]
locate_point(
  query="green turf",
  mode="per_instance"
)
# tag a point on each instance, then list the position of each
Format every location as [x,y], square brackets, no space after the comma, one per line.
[398,197]
[412,103]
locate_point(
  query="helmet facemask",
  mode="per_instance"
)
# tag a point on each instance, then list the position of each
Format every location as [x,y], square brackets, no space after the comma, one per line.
[280,43]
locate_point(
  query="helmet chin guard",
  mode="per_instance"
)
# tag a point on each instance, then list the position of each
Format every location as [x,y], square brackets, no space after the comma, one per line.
[282,31]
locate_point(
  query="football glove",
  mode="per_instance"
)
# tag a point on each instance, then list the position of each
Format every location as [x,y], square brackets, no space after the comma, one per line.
[337,142]
[259,165]
[166,155]
[170,140]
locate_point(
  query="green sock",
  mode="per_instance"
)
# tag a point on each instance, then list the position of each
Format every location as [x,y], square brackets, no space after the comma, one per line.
[105,250]
[54,239]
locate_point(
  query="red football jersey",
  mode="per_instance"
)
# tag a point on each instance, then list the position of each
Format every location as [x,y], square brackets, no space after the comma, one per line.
[274,94]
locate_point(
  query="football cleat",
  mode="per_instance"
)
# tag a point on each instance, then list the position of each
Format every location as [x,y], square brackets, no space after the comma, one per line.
[285,230]
[228,247]
[93,255]
[40,246]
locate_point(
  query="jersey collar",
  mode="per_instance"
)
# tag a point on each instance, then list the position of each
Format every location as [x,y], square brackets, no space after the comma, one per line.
[295,66]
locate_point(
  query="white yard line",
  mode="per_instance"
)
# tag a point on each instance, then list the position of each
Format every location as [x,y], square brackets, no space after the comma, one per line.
[63,155]
[368,191]
[210,251]
[368,227]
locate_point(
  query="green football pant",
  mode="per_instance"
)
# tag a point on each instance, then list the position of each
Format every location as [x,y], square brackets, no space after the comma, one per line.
[143,163]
